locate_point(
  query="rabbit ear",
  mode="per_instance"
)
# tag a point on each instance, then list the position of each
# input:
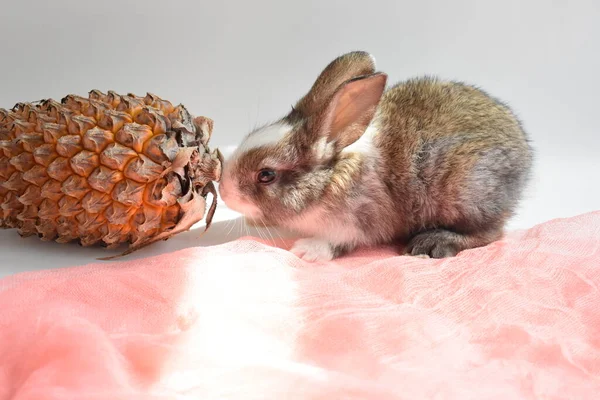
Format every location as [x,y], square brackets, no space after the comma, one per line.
[351,108]
[340,70]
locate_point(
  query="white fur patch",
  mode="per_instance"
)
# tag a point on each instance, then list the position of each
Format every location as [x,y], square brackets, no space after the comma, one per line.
[266,136]
[365,144]
[243,207]
[323,149]
[315,223]
[313,250]
[232,198]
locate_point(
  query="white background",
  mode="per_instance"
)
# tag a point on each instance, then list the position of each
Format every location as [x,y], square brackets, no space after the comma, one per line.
[244,63]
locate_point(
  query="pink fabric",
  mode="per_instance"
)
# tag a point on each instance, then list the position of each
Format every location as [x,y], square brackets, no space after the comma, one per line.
[519,319]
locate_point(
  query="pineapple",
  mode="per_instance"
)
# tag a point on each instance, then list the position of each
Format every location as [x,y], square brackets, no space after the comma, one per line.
[107,169]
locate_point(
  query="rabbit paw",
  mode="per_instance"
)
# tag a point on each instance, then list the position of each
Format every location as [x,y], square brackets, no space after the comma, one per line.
[313,250]
[438,243]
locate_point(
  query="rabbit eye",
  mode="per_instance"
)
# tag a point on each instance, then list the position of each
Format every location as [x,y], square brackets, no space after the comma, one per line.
[266,176]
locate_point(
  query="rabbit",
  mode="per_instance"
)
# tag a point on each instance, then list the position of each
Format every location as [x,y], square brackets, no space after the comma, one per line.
[435,167]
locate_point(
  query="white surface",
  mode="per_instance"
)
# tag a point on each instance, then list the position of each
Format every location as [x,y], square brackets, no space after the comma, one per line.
[245,63]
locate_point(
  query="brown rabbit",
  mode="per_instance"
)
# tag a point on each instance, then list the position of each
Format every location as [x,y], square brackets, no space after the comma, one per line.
[436,166]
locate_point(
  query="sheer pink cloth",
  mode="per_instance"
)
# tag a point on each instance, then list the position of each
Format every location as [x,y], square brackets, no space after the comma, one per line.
[519,319]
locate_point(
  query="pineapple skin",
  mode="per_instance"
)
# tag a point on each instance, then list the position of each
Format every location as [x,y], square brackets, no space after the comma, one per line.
[108,169]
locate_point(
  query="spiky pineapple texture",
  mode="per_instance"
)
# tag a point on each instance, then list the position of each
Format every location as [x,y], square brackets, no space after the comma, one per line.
[107,169]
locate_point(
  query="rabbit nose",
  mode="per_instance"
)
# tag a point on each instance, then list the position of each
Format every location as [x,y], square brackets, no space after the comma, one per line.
[223,191]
